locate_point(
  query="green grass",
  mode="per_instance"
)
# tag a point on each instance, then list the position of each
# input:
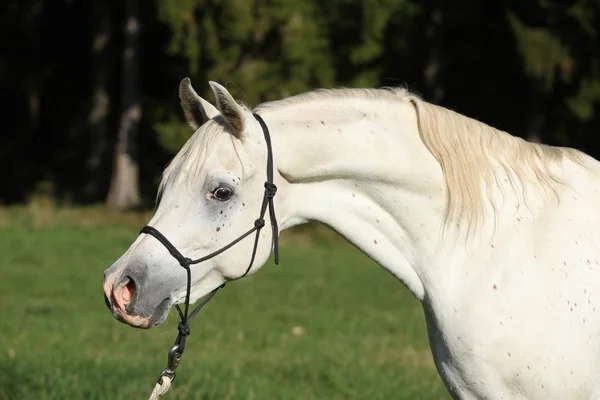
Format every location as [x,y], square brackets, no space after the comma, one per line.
[326,324]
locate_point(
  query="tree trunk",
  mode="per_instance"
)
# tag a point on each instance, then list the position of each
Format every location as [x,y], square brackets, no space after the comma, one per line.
[101,101]
[124,188]
[433,66]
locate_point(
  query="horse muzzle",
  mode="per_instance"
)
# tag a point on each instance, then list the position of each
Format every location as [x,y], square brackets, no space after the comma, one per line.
[132,301]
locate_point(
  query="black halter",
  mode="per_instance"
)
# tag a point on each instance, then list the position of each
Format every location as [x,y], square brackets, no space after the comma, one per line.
[178,347]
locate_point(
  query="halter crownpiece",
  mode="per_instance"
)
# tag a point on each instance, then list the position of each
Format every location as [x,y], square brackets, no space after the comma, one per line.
[178,347]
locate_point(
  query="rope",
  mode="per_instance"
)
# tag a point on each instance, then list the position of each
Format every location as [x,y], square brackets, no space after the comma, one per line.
[160,388]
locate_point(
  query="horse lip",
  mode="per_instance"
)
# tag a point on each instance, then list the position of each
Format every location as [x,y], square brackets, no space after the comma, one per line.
[158,317]
[139,322]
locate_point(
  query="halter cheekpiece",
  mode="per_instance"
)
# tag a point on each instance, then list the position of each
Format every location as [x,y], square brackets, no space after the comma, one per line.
[178,347]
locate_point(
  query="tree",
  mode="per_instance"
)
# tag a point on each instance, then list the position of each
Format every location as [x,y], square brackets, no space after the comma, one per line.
[101,96]
[560,53]
[124,188]
[269,49]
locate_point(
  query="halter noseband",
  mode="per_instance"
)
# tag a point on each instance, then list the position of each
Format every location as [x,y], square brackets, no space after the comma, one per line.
[178,347]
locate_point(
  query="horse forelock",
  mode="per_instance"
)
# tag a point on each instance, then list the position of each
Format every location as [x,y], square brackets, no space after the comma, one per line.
[189,161]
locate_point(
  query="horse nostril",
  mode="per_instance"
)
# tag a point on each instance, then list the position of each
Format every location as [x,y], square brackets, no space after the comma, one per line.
[128,290]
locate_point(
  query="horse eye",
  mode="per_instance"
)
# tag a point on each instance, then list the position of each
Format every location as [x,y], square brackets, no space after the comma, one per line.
[222,193]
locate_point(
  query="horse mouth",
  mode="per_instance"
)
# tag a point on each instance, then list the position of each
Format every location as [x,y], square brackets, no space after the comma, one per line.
[134,321]
[156,318]
[128,315]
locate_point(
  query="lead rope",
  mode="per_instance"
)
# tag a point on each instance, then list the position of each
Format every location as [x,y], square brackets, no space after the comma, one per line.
[167,376]
[161,388]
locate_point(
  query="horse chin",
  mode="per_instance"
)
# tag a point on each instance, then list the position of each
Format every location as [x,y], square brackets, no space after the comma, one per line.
[158,317]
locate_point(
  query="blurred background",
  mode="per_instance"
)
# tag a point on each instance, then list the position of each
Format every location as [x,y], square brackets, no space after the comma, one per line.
[89,88]
[90,117]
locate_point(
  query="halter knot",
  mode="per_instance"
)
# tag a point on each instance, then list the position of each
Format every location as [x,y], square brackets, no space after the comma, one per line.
[185,262]
[271,189]
[183,329]
[259,223]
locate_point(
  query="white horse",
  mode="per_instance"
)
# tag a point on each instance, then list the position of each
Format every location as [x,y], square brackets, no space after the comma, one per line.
[494,235]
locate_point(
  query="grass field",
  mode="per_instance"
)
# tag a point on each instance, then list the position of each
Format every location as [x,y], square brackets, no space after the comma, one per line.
[325,324]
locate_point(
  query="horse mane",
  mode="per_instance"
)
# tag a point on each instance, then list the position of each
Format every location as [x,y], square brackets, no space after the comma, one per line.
[341,94]
[465,148]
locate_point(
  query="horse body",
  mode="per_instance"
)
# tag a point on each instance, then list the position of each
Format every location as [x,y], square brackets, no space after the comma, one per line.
[495,236]
[510,314]
[515,317]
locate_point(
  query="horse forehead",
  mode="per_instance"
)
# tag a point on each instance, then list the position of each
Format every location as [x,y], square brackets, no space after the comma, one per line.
[237,156]
[226,156]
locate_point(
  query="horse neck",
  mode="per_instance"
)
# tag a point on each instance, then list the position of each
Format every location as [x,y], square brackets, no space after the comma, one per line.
[365,172]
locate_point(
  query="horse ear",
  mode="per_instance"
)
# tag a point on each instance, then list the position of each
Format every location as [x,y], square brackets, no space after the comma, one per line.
[231,111]
[197,110]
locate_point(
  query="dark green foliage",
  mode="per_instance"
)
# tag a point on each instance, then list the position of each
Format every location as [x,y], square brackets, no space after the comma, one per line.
[529,67]
[559,45]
